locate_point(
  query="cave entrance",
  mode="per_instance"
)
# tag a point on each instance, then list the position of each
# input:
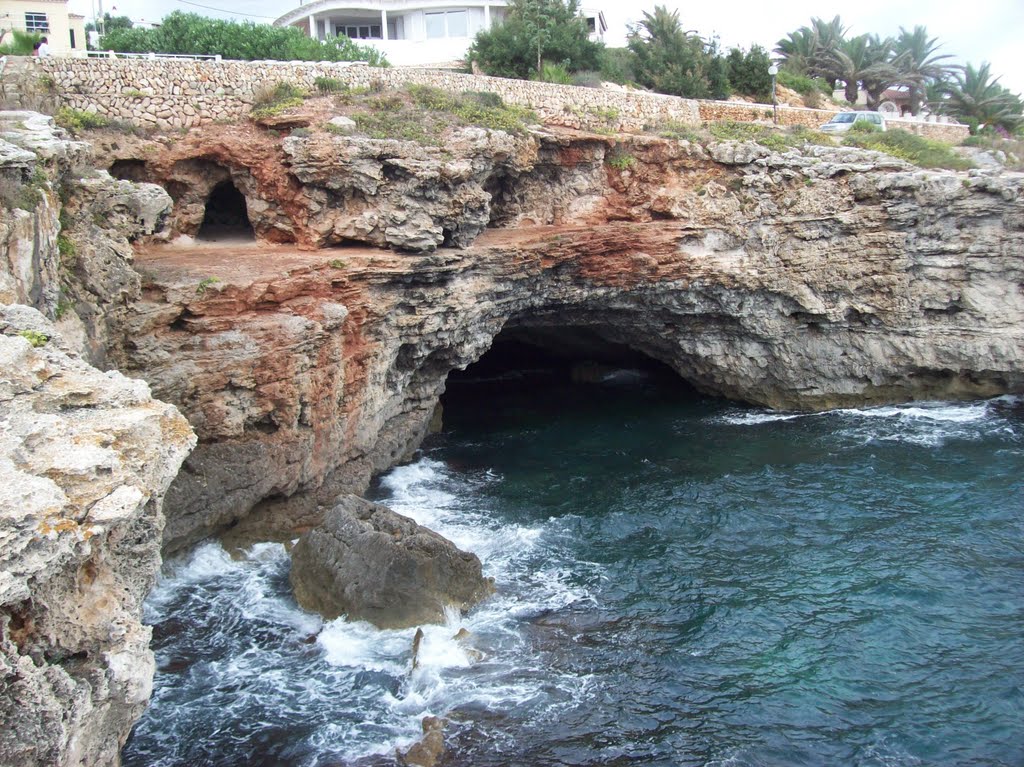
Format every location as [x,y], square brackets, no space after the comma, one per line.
[226,216]
[543,372]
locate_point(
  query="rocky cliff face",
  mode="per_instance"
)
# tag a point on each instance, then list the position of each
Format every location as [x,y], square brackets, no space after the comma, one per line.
[808,279]
[85,456]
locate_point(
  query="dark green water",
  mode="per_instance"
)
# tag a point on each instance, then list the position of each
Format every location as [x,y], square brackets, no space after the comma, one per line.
[681,582]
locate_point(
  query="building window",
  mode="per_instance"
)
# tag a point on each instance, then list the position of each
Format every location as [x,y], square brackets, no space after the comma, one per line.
[73,46]
[591,24]
[360,32]
[36,22]
[447,24]
[435,25]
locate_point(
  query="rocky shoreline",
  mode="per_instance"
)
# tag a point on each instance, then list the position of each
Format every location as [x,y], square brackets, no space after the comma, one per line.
[314,357]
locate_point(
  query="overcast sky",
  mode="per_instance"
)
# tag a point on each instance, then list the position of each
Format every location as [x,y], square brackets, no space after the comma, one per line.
[974,31]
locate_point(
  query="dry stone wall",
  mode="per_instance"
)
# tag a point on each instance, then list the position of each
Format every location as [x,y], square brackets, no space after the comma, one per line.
[174,94]
[168,93]
[712,111]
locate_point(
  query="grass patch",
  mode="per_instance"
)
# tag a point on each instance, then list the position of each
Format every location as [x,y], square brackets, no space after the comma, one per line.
[677,131]
[78,120]
[64,305]
[35,338]
[760,134]
[916,150]
[205,285]
[1012,149]
[423,113]
[326,85]
[274,98]
[67,250]
[620,159]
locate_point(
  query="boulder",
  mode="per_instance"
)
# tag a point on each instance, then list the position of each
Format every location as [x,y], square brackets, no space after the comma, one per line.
[369,563]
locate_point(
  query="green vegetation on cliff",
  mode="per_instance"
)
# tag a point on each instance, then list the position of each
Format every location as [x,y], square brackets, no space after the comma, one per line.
[422,113]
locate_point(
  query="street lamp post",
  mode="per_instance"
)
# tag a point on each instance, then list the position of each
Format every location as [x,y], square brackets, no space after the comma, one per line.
[774,70]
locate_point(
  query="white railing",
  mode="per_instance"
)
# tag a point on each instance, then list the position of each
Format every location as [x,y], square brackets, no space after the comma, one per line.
[116,55]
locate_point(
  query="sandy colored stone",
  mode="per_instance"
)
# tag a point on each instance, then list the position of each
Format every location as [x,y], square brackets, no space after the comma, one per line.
[85,458]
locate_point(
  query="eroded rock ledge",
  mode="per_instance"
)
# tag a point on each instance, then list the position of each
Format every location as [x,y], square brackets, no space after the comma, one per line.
[808,279]
[85,459]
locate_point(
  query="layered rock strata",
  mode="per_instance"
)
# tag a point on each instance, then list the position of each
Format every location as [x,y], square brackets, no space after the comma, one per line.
[85,456]
[85,459]
[808,279]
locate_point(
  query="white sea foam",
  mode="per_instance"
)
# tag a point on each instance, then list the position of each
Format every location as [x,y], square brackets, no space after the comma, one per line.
[754,419]
[929,424]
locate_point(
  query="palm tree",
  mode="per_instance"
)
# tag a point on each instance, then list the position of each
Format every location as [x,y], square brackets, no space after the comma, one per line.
[796,50]
[862,59]
[19,44]
[917,62]
[811,50]
[975,97]
[828,38]
[880,74]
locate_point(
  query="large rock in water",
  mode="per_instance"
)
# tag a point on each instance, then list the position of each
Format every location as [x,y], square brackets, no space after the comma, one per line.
[369,563]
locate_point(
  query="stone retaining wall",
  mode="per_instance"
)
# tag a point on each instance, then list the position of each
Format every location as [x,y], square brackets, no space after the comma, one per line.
[174,94]
[170,93]
[711,111]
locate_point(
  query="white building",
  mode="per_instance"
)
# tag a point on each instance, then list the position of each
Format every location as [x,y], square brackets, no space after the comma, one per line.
[410,32]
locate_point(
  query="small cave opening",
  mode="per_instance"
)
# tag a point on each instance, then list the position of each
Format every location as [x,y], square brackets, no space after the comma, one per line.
[544,372]
[130,170]
[227,216]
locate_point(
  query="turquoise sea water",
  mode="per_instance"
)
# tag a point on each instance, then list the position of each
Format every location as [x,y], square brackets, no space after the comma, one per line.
[681,581]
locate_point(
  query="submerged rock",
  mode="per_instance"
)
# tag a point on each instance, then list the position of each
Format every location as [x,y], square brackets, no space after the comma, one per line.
[429,750]
[369,563]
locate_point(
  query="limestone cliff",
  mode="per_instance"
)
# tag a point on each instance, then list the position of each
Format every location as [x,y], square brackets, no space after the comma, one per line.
[85,457]
[813,278]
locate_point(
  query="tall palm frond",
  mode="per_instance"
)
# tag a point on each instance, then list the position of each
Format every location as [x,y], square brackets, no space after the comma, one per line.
[918,63]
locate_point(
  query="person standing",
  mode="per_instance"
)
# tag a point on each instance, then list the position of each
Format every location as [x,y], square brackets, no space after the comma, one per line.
[44,47]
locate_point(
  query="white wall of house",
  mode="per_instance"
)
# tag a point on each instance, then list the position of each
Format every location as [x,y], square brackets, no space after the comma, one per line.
[65,31]
[433,33]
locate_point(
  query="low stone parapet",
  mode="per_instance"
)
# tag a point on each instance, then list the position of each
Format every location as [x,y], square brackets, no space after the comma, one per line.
[174,93]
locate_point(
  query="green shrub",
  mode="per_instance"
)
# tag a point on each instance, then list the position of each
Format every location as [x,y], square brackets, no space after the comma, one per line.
[206,284]
[676,130]
[77,120]
[814,90]
[553,73]
[863,126]
[918,150]
[64,305]
[67,250]
[620,159]
[617,65]
[191,34]
[34,337]
[386,102]
[326,85]
[484,99]
[587,79]
[273,98]
[739,131]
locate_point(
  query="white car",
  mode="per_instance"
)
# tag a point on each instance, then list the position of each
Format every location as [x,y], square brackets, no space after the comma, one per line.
[843,121]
